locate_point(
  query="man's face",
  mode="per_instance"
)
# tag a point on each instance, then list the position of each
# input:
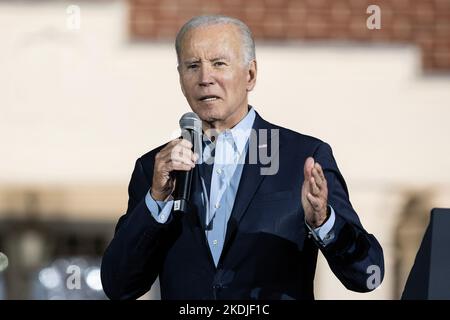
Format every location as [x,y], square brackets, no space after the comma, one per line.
[213,76]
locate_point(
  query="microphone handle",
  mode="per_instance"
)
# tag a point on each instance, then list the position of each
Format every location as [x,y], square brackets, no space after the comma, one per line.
[182,191]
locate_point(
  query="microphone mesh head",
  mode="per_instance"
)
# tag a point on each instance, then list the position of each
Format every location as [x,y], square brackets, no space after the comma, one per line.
[191,121]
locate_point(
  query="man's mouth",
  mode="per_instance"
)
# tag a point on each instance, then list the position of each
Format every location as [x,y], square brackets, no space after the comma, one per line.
[209,98]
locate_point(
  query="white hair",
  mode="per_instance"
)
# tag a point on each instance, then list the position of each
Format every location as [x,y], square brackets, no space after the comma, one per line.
[248,44]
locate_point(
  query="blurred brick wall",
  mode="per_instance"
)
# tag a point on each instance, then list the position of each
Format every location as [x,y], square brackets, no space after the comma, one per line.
[422,22]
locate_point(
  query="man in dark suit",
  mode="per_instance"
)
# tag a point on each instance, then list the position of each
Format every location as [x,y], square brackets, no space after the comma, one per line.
[256,222]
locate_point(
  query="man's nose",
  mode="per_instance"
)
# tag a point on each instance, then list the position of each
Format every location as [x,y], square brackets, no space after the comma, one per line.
[206,76]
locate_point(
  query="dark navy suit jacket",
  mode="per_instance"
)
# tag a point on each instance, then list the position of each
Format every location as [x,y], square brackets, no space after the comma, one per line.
[268,252]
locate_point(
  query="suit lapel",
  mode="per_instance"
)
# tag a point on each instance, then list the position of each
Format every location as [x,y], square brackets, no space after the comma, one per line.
[251,177]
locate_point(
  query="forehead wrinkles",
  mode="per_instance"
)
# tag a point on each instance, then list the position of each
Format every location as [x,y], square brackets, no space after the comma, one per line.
[212,42]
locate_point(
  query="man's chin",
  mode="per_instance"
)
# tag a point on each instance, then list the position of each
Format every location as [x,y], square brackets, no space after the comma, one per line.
[207,115]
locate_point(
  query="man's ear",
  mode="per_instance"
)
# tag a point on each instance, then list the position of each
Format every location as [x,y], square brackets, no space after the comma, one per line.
[251,75]
[181,82]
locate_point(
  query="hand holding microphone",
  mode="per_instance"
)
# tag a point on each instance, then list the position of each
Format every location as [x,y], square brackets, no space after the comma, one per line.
[177,157]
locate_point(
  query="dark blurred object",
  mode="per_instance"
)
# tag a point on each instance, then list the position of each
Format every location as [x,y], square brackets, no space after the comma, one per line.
[429,277]
[411,225]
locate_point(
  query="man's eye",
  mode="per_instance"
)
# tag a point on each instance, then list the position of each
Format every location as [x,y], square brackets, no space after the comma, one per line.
[219,63]
[192,66]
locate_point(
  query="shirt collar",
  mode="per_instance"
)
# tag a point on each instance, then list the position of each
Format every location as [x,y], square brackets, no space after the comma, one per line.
[241,131]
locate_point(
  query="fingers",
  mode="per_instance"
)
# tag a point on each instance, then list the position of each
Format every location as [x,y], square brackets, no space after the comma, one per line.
[315,202]
[313,187]
[318,176]
[309,164]
[316,184]
[313,173]
[176,155]
[319,169]
[179,149]
[314,192]
[181,154]
[178,166]
[179,144]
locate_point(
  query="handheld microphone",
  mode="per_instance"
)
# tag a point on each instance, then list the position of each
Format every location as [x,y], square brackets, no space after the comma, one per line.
[191,129]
